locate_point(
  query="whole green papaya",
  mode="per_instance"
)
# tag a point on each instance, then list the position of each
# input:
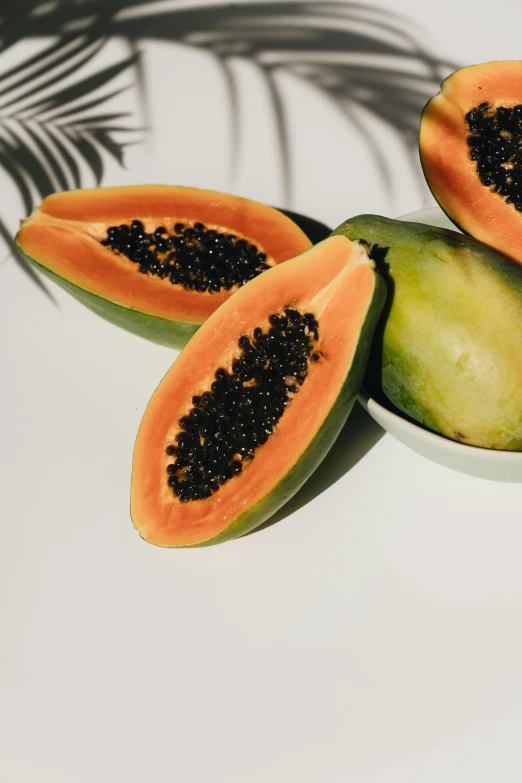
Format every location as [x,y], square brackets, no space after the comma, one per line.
[449,349]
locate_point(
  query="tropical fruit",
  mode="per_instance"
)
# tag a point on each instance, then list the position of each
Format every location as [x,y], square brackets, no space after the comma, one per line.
[448,351]
[156,260]
[256,398]
[471,152]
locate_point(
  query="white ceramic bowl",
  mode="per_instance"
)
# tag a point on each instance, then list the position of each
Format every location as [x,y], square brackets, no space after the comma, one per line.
[483,463]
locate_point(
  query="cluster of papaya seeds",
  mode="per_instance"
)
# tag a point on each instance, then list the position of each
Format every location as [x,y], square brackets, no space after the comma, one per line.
[257,397]
[156,259]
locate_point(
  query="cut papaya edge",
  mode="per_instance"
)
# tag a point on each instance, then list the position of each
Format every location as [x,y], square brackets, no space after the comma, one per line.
[336,281]
[452,176]
[62,238]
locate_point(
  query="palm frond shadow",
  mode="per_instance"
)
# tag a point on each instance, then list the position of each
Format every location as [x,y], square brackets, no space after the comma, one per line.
[366,60]
[54,128]
[359,56]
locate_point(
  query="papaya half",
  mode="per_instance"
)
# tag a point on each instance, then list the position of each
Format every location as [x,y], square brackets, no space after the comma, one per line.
[157,260]
[448,350]
[256,398]
[471,152]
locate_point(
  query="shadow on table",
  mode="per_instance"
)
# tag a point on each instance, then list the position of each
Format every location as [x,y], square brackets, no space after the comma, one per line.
[358,436]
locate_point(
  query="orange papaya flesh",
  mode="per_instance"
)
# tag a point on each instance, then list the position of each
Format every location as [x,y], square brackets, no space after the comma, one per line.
[471,129]
[333,283]
[63,237]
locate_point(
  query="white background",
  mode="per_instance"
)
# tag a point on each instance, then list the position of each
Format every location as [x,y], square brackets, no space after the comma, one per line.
[372,635]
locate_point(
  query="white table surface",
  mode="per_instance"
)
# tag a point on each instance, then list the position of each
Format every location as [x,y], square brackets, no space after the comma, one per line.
[372,635]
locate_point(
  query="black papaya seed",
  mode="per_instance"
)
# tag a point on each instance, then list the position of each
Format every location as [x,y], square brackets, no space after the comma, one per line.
[237,414]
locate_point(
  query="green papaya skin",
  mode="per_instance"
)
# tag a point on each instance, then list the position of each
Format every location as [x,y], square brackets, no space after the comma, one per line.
[173,334]
[449,345]
[326,436]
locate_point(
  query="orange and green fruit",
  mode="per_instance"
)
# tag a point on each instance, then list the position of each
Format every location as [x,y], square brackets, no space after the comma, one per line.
[157,260]
[256,399]
[471,152]
[448,350]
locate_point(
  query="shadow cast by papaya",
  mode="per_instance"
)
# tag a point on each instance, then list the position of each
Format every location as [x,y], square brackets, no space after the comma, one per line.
[358,436]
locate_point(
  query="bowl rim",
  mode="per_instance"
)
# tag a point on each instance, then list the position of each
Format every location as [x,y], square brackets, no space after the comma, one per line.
[428,435]
[367,401]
